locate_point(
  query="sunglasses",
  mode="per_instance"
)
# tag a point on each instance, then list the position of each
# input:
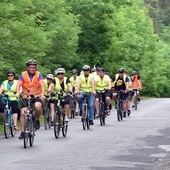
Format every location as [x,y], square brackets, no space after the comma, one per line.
[60,73]
[85,70]
[49,79]
[10,75]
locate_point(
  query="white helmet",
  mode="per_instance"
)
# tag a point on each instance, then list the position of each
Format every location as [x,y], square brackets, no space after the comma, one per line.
[50,76]
[86,67]
[59,70]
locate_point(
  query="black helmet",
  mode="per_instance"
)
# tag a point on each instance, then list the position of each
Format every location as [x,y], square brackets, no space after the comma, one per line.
[74,71]
[121,70]
[31,62]
[101,69]
[11,72]
[134,72]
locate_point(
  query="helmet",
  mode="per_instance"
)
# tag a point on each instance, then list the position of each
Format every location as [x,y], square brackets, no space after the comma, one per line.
[121,70]
[74,71]
[59,70]
[101,69]
[11,71]
[50,76]
[86,67]
[31,62]
[134,72]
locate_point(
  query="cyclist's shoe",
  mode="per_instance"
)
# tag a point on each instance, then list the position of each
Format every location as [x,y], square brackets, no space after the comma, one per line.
[124,114]
[66,119]
[21,136]
[37,124]
[133,106]
[52,123]
[129,112]
[138,99]
[91,122]
[77,112]
[97,115]
[80,113]
[16,128]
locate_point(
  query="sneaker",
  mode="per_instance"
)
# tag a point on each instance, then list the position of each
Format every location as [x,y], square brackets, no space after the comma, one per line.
[91,122]
[80,113]
[133,106]
[129,112]
[124,114]
[16,128]
[66,119]
[138,99]
[37,124]
[21,136]
[77,112]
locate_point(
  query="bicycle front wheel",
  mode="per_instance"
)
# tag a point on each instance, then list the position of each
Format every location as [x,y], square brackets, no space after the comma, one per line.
[13,131]
[47,119]
[101,113]
[56,126]
[135,102]
[26,131]
[7,129]
[65,126]
[32,131]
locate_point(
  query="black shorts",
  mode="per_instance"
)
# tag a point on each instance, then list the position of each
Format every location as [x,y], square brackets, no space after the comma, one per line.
[25,104]
[123,95]
[13,104]
[104,95]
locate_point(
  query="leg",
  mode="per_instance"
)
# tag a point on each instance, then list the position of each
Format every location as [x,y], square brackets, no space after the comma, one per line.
[52,111]
[90,101]
[80,101]
[14,106]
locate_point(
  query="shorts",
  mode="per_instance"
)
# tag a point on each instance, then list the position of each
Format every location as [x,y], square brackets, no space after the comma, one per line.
[123,96]
[13,104]
[104,95]
[25,104]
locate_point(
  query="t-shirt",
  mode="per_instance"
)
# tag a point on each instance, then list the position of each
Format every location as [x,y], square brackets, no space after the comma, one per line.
[120,84]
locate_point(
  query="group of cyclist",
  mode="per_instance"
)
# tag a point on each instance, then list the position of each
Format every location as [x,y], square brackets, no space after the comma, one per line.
[92,81]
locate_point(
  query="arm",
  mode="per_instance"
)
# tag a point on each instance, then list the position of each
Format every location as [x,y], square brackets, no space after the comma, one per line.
[51,87]
[78,86]
[42,87]
[1,89]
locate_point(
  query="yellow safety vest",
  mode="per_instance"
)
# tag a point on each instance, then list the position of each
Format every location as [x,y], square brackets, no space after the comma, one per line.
[101,85]
[86,86]
[58,86]
[74,82]
[116,78]
[12,91]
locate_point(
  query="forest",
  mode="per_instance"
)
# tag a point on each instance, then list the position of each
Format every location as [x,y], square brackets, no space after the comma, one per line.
[133,34]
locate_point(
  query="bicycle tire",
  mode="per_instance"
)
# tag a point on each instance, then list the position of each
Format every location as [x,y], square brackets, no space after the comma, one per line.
[26,131]
[135,102]
[84,116]
[87,119]
[47,122]
[32,131]
[7,130]
[56,127]
[101,113]
[13,131]
[64,126]
[121,111]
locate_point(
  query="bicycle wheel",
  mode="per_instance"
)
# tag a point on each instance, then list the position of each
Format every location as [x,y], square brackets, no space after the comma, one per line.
[26,131]
[64,126]
[135,102]
[47,119]
[119,111]
[7,129]
[13,131]
[56,126]
[32,131]
[84,117]
[101,113]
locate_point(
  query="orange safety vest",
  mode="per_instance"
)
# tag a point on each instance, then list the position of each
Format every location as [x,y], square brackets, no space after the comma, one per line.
[135,83]
[31,87]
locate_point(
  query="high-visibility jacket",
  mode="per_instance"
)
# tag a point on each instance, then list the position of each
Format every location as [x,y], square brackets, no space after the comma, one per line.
[31,87]
[135,82]
[101,84]
[116,78]
[86,85]
[46,85]
[58,86]
[74,81]
[10,92]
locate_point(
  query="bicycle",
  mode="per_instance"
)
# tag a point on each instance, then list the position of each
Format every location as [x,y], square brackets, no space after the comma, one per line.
[47,116]
[59,117]
[102,108]
[72,107]
[85,112]
[119,106]
[135,99]
[29,123]
[8,123]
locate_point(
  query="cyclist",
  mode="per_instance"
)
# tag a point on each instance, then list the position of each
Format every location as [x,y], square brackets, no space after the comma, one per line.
[86,84]
[102,83]
[47,82]
[62,83]
[9,87]
[120,82]
[32,83]
[95,72]
[129,94]
[136,84]
[74,81]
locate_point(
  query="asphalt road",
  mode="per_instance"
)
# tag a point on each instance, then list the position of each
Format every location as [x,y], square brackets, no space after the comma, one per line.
[139,142]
